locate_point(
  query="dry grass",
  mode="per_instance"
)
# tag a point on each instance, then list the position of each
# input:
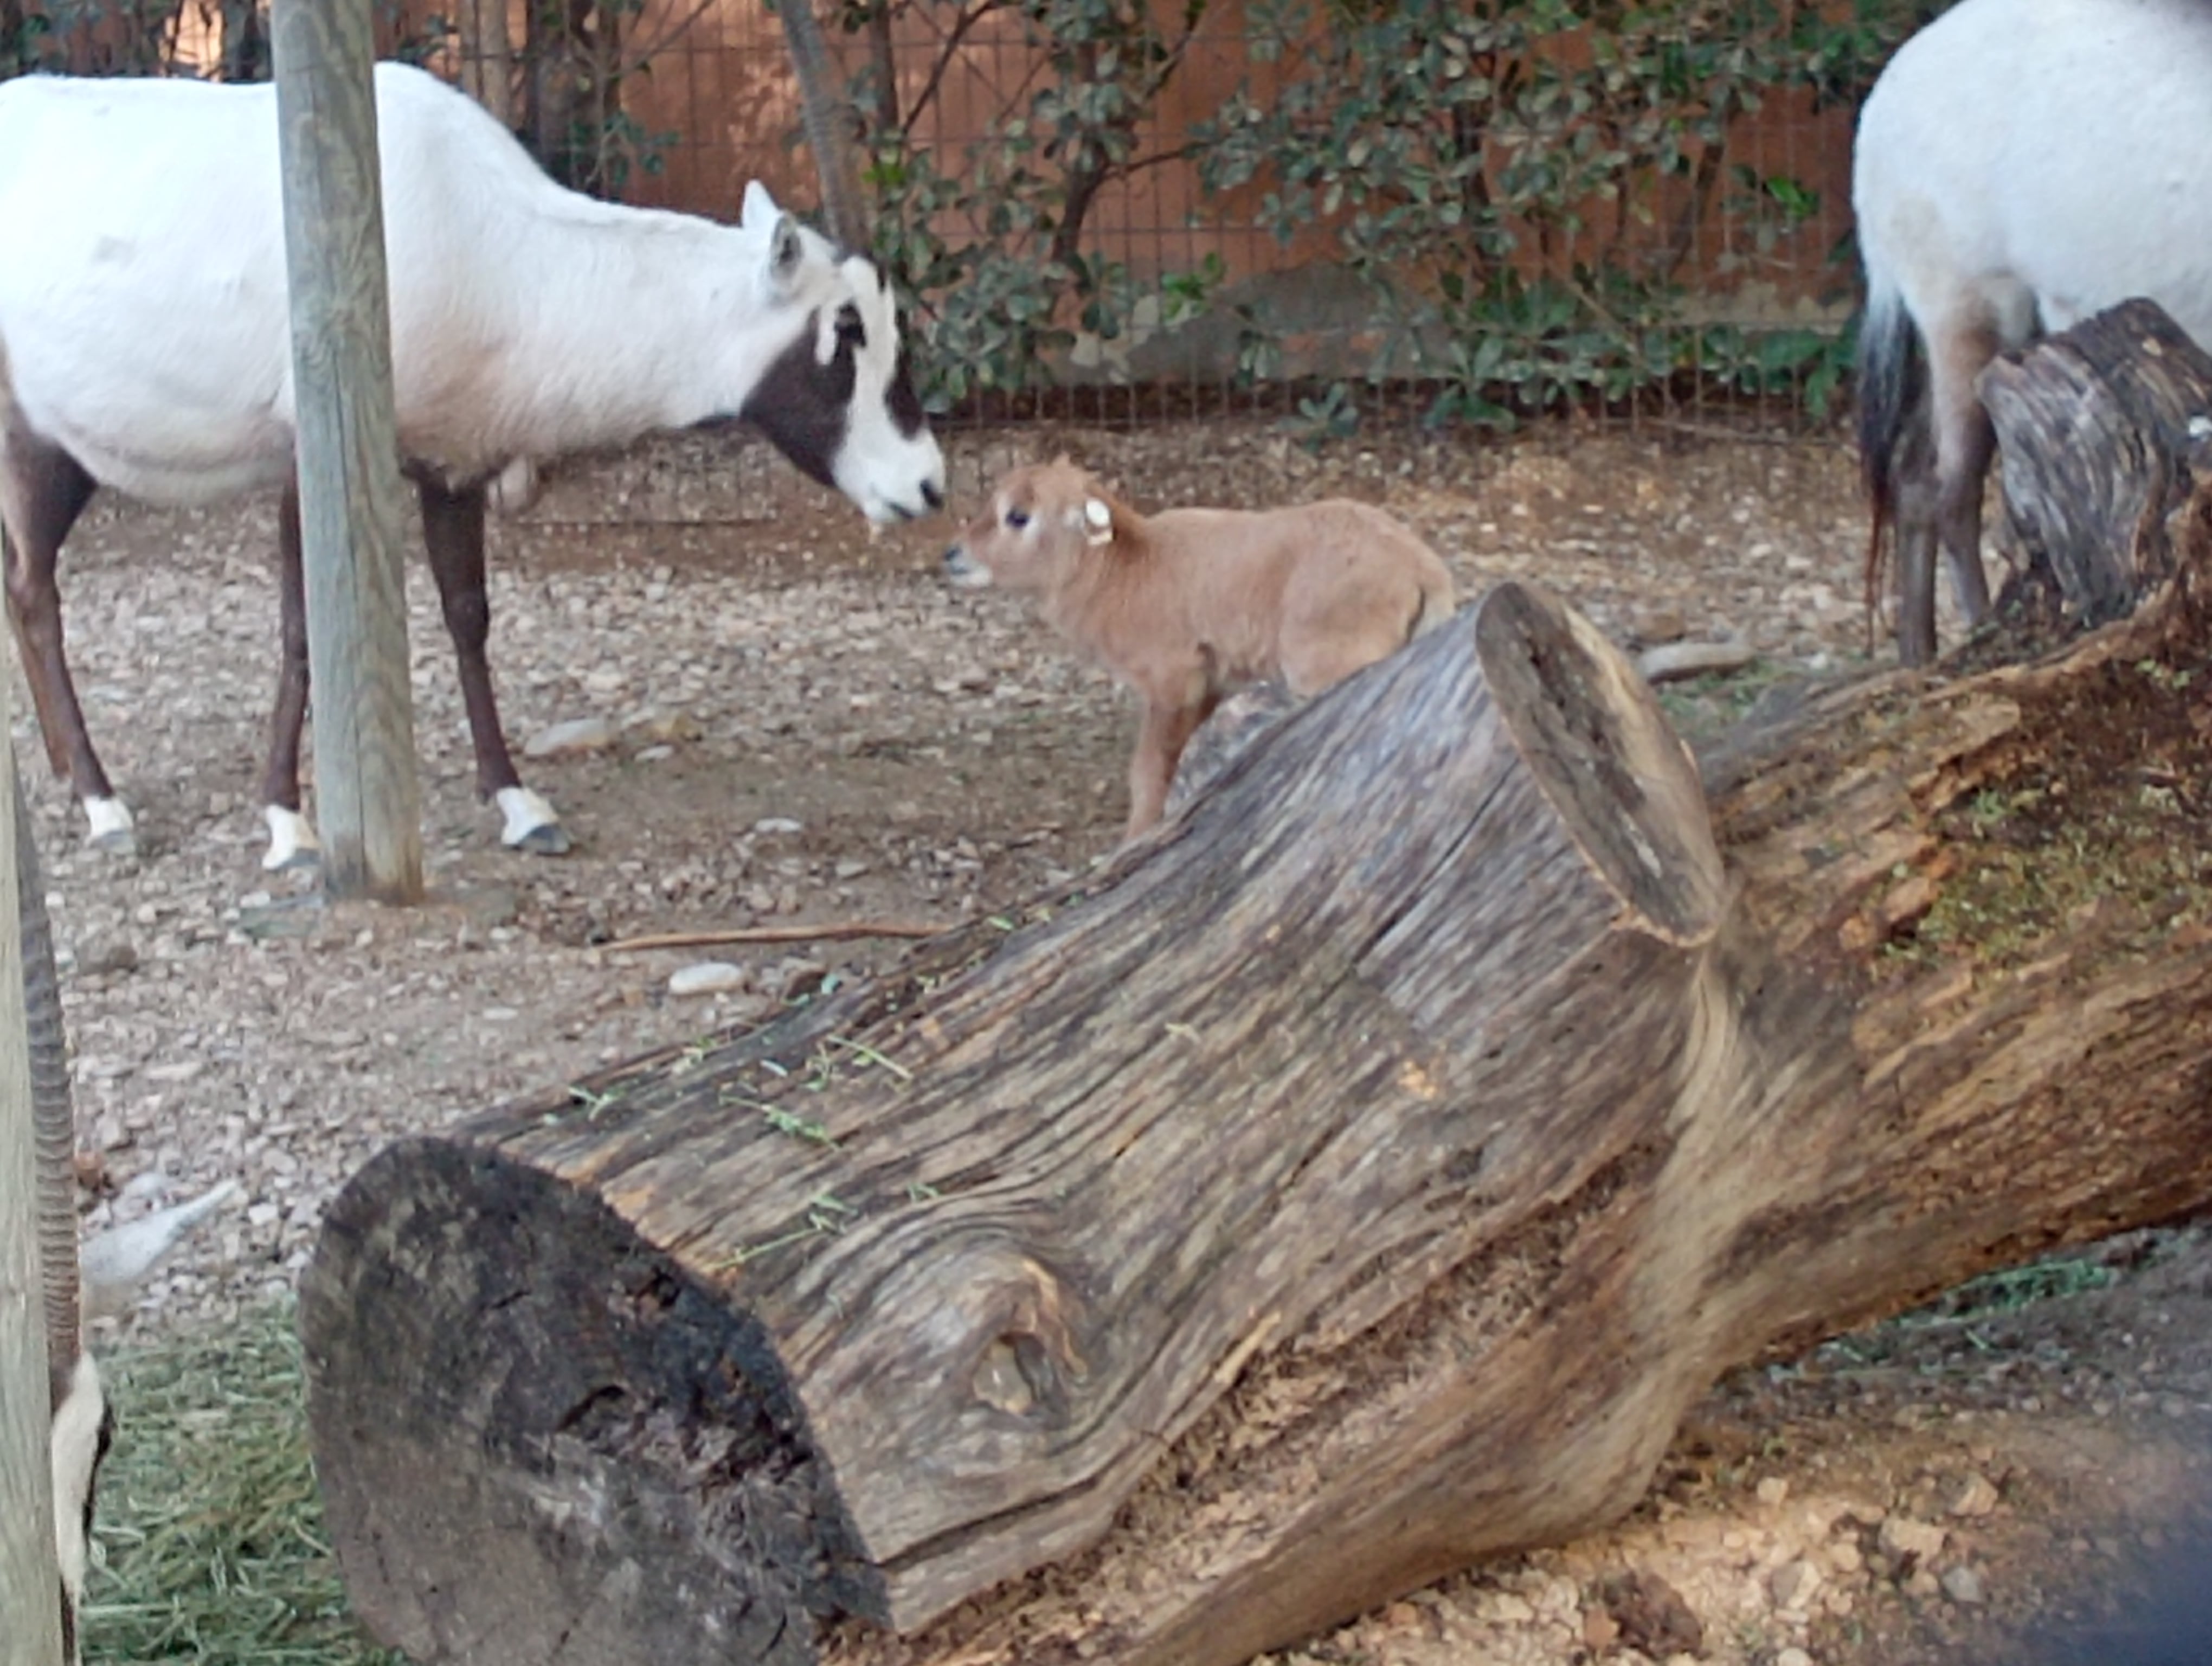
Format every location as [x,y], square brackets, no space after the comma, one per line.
[209,1535]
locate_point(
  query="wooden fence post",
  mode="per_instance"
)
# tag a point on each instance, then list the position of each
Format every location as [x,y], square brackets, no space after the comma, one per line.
[368,807]
[30,1581]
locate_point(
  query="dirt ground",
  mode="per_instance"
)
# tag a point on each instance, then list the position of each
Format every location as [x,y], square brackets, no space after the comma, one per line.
[799,724]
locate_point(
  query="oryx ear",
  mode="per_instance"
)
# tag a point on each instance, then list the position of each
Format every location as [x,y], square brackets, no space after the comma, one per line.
[760,209]
[1098,521]
[785,253]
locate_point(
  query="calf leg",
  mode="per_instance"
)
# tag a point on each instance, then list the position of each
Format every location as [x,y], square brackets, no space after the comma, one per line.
[42,491]
[292,841]
[1167,729]
[453,528]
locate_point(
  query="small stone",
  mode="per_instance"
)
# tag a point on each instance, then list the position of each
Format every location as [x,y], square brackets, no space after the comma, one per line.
[1509,1610]
[1963,1586]
[664,728]
[1793,1657]
[1599,1629]
[577,735]
[174,1070]
[1794,1584]
[770,826]
[1902,1536]
[1975,1496]
[654,754]
[1772,1489]
[706,978]
[107,954]
[1922,1583]
[1652,1616]
[849,869]
[1663,624]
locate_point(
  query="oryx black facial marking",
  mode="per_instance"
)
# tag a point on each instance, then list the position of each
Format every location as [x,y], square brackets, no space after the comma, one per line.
[804,403]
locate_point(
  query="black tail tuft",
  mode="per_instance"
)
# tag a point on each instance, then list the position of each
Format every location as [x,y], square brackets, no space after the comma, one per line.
[1890,378]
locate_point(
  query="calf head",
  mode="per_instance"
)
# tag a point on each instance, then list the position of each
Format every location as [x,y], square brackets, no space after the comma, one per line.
[1044,523]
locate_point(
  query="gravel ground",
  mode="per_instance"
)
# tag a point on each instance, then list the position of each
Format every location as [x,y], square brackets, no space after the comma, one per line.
[782,720]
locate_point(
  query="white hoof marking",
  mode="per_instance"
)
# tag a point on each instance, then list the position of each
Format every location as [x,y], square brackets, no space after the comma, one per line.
[292,841]
[530,821]
[111,828]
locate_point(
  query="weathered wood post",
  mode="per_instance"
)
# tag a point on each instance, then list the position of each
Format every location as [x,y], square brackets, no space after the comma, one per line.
[30,1581]
[367,804]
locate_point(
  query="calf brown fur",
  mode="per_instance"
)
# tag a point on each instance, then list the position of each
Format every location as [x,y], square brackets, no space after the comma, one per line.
[1188,604]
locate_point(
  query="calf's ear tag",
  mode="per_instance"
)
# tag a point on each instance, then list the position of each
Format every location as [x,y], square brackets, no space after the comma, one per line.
[1099,520]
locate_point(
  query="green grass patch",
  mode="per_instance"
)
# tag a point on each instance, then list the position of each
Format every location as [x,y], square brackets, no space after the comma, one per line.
[208,1534]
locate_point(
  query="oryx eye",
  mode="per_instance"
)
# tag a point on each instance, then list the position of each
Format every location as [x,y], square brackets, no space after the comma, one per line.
[1018,518]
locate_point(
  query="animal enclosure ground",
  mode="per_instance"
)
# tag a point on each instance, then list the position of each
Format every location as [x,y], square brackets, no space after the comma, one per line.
[794,723]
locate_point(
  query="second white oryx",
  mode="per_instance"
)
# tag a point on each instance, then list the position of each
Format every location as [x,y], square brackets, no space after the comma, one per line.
[2020,165]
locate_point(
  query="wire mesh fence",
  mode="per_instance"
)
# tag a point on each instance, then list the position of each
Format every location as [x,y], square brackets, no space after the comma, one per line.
[1336,212]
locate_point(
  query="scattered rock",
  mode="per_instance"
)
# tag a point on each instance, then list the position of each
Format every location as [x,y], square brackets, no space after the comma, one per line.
[1677,661]
[107,954]
[1772,1489]
[568,740]
[1975,1496]
[706,978]
[1902,1536]
[1651,1615]
[1962,1585]
[664,729]
[1795,1584]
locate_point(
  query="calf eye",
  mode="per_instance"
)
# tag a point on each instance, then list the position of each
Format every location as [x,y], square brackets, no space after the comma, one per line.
[1018,517]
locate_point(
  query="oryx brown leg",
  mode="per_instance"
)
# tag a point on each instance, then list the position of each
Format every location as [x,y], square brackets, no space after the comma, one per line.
[453,530]
[292,841]
[42,491]
[1965,440]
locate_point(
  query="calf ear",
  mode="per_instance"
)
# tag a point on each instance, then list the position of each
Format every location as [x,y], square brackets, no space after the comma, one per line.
[1098,521]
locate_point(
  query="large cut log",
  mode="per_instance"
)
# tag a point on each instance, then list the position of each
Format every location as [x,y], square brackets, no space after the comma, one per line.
[1362,1176]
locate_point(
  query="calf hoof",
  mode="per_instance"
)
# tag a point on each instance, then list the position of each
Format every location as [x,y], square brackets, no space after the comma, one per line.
[547,839]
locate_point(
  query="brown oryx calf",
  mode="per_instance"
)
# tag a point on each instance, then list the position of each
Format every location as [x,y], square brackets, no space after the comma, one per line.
[1185,605]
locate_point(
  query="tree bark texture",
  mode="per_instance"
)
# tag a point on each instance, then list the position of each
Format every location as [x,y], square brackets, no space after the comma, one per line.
[2098,427]
[1360,1176]
[826,115]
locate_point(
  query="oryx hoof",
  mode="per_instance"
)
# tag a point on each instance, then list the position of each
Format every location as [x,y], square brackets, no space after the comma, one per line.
[109,830]
[546,839]
[305,860]
[531,826]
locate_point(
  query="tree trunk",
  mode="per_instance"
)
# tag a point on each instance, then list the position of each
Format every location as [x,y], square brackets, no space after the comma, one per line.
[2098,427]
[1361,1176]
[488,57]
[827,116]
